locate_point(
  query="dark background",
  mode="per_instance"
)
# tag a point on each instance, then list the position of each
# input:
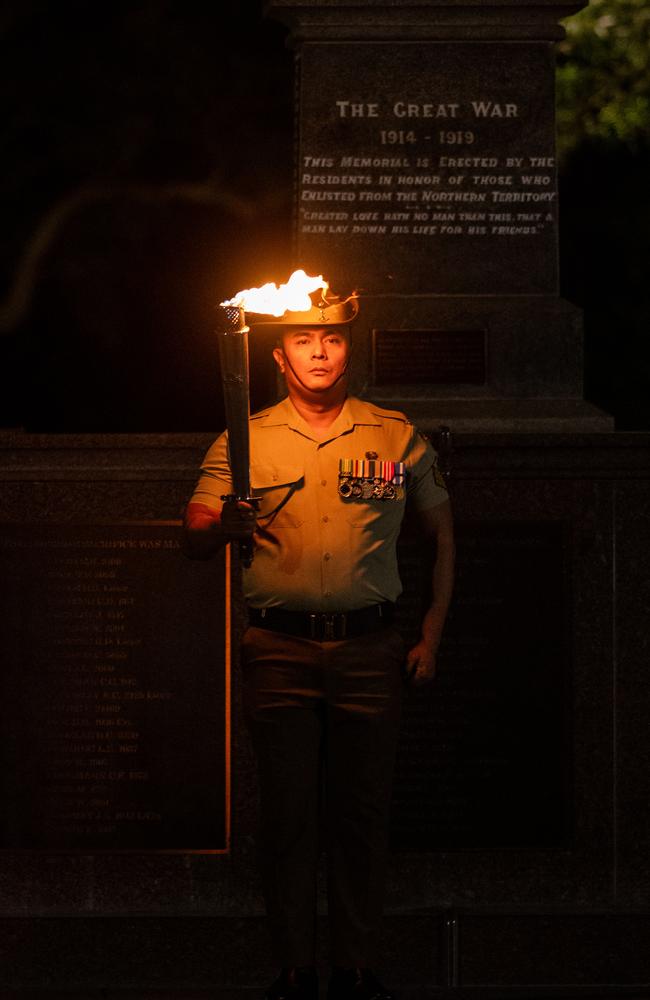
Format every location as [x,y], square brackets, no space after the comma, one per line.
[147,174]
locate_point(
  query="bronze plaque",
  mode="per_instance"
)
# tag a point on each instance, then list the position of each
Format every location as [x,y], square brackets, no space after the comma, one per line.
[429,357]
[115,691]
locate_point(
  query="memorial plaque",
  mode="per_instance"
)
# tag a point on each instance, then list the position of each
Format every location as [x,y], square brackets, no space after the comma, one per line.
[115,690]
[429,357]
[428,167]
[485,751]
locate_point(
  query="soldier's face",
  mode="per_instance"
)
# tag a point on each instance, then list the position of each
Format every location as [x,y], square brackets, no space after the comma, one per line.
[314,358]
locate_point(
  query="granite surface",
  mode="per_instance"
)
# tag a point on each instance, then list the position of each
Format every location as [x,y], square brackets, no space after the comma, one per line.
[632,692]
[594,488]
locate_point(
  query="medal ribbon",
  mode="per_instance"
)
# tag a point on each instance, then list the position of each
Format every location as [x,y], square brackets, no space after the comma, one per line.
[359,468]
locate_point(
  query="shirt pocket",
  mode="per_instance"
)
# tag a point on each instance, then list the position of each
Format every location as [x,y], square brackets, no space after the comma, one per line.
[371,514]
[278,489]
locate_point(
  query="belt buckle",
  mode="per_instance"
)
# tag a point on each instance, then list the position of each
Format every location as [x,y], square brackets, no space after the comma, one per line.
[334,626]
[327,627]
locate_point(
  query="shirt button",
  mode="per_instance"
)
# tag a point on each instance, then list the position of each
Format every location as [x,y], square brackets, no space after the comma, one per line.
[323,482]
[328,555]
[325,518]
[275,477]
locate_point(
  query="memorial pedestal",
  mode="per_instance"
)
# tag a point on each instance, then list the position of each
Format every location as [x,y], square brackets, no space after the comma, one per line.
[521,841]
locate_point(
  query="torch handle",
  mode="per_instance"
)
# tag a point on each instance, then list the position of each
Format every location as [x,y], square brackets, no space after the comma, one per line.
[246,552]
[246,545]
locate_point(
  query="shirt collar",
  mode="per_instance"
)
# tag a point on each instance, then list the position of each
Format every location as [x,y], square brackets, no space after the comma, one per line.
[354,412]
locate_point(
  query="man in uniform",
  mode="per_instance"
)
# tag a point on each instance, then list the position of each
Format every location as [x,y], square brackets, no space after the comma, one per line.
[322,665]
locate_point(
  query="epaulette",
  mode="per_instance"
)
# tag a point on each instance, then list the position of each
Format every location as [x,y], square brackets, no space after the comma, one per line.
[379,411]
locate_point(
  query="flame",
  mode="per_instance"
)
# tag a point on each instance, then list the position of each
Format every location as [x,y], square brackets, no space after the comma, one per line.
[274,301]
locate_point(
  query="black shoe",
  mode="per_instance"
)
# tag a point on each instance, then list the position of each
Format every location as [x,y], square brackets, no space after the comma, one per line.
[356,984]
[294,984]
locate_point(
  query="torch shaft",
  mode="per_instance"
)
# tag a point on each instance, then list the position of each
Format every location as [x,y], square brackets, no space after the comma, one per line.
[233,354]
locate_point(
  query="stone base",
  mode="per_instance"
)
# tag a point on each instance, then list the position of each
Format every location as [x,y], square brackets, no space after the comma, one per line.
[497,416]
[554,523]
[453,954]
[533,348]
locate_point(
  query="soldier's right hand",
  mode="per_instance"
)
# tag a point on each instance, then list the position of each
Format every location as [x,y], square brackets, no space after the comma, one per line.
[238,520]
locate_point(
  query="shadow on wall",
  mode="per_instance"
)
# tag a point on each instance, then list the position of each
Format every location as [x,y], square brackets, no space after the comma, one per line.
[120,337]
[146,174]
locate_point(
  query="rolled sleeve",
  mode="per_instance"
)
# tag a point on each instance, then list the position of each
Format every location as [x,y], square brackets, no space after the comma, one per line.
[215,479]
[426,487]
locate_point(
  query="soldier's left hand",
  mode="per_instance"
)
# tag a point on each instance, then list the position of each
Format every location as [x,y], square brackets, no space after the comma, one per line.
[420,667]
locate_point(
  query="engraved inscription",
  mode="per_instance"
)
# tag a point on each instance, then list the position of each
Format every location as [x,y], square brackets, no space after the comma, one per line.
[429,152]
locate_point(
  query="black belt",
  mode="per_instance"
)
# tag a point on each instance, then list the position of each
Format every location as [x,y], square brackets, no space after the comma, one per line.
[323,626]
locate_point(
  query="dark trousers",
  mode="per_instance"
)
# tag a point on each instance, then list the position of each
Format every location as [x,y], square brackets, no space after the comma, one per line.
[324,719]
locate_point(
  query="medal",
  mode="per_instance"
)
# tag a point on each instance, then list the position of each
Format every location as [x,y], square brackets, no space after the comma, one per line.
[371,479]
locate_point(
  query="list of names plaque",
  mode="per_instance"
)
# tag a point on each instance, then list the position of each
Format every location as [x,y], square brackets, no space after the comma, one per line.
[114,690]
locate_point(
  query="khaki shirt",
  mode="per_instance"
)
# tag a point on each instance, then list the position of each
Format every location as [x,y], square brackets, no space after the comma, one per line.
[316,550]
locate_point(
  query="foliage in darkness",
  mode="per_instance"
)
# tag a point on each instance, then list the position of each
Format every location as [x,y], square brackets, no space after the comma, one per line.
[603,83]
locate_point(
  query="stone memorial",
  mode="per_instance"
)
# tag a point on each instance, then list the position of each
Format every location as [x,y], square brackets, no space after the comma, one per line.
[426,176]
